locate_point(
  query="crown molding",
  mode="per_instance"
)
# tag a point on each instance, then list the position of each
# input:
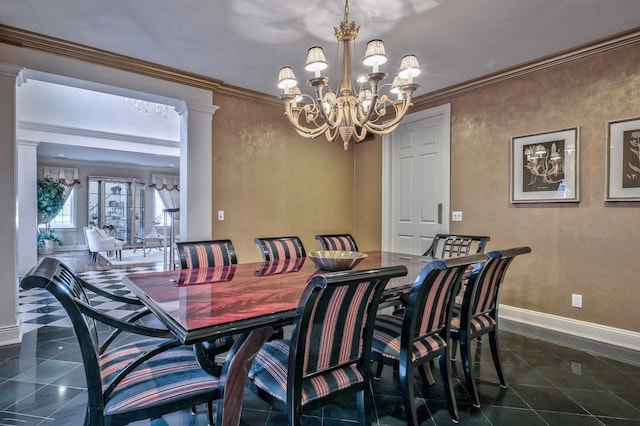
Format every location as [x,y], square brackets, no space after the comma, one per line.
[30,40]
[614,42]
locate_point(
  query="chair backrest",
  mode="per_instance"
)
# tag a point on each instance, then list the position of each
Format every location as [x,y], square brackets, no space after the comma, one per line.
[484,295]
[334,327]
[428,309]
[284,266]
[202,254]
[63,284]
[444,246]
[276,248]
[343,242]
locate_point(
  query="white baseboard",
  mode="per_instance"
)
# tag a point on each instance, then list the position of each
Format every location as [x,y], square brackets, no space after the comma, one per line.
[10,335]
[587,330]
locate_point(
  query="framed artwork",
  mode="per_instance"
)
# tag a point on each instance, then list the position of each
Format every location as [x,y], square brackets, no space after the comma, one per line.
[623,160]
[544,167]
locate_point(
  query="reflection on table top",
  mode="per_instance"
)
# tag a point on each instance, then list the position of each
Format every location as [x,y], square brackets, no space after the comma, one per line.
[202,303]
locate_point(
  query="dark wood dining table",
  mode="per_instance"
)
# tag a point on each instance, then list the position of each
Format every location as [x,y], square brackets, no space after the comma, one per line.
[201,304]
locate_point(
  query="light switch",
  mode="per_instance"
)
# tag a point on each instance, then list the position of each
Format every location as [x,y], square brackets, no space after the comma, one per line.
[456,216]
[220,214]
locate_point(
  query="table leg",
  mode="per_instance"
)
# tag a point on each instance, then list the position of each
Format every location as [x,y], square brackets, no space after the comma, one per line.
[235,370]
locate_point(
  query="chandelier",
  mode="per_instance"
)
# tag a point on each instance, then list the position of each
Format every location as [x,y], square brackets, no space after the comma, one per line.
[145,107]
[346,112]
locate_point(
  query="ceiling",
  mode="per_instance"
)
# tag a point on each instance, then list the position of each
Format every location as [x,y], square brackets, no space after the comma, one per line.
[245,42]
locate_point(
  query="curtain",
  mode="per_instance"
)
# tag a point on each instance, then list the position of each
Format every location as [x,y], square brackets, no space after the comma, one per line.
[67,175]
[168,187]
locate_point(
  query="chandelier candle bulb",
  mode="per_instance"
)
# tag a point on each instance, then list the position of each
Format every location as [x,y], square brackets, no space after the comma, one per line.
[342,111]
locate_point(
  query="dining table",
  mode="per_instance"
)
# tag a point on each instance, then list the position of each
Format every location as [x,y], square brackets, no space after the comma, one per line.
[201,304]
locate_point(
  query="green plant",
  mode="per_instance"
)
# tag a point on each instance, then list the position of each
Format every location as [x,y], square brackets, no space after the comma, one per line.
[50,202]
[50,198]
[48,234]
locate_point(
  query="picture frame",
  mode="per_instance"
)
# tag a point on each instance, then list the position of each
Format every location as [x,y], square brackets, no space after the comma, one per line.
[623,160]
[545,167]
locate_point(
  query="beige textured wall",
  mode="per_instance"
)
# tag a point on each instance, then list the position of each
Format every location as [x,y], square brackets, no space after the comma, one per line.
[263,170]
[591,247]
[271,182]
[368,194]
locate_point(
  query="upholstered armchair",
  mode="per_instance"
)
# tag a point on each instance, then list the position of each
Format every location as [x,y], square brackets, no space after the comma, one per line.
[98,240]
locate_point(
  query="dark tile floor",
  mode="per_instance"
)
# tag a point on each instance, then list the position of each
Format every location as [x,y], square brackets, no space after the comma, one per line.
[42,382]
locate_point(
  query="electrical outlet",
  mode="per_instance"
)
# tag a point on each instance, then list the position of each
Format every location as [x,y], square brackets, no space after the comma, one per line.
[456,216]
[576,368]
[220,214]
[576,300]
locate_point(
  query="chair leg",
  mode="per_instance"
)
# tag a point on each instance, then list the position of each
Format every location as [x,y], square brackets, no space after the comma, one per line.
[406,387]
[495,353]
[362,402]
[379,369]
[454,348]
[210,413]
[465,353]
[447,382]
[426,372]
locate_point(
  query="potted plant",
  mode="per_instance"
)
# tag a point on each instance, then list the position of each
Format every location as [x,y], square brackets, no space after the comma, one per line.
[47,240]
[50,202]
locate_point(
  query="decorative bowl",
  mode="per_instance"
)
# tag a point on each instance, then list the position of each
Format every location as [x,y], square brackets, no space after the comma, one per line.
[336,260]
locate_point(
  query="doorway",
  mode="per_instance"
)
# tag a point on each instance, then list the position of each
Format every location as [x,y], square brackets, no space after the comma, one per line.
[416,184]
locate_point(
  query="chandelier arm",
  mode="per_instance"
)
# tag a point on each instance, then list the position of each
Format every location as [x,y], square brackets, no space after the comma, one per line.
[331,137]
[367,117]
[400,113]
[312,132]
[359,136]
[307,135]
[380,130]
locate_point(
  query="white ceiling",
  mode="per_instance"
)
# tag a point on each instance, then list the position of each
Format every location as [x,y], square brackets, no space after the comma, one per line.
[245,42]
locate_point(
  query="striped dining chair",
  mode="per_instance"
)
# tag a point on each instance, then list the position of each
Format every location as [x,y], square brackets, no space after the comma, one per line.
[277,248]
[421,335]
[203,254]
[479,313]
[343,242]
[147,374]
[328,355]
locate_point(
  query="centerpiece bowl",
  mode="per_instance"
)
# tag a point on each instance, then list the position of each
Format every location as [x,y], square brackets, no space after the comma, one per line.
[336,260]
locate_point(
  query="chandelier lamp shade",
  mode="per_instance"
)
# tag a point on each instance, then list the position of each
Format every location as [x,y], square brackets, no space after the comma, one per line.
[374,107]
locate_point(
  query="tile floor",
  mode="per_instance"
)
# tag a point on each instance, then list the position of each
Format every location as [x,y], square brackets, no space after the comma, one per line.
[42,381]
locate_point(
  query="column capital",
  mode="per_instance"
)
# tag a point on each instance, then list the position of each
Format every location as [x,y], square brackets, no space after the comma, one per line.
[10,70]
[184,106]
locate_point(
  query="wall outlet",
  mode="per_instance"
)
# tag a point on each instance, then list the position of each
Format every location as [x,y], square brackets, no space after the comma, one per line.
[576,300]
[220,214]
[456,216]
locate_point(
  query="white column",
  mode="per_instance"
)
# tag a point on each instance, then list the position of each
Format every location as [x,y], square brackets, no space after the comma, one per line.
[27,165]
[196,210]
[9,321]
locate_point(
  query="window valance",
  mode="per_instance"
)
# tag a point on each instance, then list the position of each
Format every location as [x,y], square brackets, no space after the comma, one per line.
[168,182]
[66,175]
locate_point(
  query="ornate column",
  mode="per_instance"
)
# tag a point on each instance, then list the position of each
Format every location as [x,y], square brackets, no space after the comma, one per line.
[9,321]
[196,210]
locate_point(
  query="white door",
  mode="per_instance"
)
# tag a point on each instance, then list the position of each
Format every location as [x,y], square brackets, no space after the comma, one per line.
[416,181]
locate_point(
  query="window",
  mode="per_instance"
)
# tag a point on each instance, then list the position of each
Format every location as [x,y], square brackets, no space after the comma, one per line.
[67,216]
[158,214]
